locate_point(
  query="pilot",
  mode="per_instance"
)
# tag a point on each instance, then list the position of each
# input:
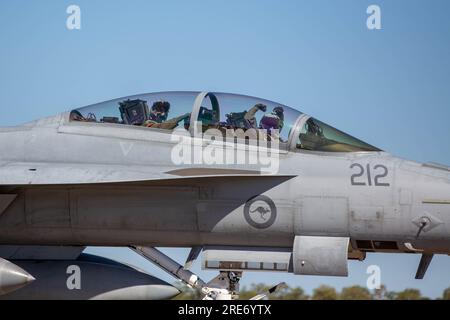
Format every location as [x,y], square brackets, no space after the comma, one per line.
[249,117]
[273,121]
[159,111]
[279,111]
[158,116]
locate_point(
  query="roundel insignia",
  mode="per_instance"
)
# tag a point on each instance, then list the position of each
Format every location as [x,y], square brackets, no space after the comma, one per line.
[260,212]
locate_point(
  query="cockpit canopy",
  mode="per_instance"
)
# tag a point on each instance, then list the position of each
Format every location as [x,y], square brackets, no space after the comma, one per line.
[167,111]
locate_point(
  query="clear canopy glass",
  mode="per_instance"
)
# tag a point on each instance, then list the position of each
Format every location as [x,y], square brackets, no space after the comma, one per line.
[162,110]
[231,111]
[222,111]
[318,136]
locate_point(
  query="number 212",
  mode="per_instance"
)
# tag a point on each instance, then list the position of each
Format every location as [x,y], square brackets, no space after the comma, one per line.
[377,177]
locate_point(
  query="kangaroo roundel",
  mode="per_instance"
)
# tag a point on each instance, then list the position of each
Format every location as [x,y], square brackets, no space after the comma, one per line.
[260,212]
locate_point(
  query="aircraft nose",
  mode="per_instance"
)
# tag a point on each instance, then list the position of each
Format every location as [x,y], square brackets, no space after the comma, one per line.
[166,292]
[152,291]
[12,277]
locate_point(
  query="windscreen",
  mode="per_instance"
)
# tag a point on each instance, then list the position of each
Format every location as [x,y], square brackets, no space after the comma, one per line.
[318,136]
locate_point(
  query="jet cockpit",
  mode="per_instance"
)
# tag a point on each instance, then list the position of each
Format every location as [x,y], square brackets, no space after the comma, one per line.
[168,111]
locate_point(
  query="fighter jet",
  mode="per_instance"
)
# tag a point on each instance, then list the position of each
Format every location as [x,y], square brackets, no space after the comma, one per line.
[250,184]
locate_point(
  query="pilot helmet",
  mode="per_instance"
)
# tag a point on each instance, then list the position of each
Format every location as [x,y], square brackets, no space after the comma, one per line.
[279,111]
[160,111]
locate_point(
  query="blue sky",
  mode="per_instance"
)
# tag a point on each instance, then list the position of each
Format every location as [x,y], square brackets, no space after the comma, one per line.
[389,87]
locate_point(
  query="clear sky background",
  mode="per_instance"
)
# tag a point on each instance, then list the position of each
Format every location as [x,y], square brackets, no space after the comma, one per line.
[389,87]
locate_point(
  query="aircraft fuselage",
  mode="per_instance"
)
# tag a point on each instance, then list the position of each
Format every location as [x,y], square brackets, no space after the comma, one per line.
[381,202]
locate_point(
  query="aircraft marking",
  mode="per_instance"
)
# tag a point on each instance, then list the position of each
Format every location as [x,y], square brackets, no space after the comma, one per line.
[368,172]
[260,212]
